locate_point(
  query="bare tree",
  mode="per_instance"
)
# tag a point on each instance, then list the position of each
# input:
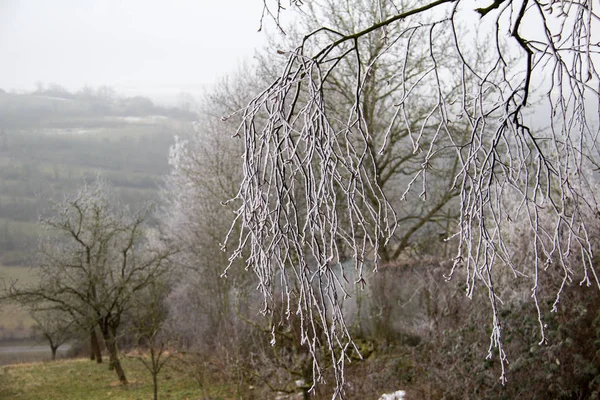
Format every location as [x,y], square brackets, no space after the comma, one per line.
[55,327]
[149,315]
[205,174]
[95,260]
[301,156]
[204,304]
[396,166]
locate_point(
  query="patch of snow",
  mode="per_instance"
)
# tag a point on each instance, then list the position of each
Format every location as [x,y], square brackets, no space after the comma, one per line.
[397,395]
[146,119]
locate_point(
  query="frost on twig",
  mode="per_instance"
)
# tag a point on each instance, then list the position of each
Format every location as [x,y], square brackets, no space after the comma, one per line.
[309,194]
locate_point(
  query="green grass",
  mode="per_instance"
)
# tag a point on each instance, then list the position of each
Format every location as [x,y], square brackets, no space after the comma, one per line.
[66,175]
[47,162]
[79,379]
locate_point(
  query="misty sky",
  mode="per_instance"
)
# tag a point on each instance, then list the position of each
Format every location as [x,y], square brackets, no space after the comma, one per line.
[144,46]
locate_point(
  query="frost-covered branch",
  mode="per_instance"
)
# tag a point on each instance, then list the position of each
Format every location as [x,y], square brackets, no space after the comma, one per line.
[310,173]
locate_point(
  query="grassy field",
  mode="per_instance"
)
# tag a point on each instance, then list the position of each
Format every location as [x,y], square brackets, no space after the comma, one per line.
[15,322]
[48,160]
[78,379]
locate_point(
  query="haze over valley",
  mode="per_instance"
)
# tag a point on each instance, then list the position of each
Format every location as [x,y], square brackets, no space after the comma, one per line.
[299,199]
[52,141]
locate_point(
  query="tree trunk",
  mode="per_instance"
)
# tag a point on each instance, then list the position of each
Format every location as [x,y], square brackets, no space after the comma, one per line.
[155,382]
[53,349]
[113,353]
[92,347]
[95,345]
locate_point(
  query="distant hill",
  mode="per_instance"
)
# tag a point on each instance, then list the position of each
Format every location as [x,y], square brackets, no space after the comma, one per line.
[51,141]
[57,107]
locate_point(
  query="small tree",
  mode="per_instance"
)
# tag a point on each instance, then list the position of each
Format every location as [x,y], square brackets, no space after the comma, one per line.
[95,260]
[204,303]
[55,326]
[149,315]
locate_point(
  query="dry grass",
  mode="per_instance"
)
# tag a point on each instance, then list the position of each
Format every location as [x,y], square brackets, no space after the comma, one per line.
[15,322]
[78,379]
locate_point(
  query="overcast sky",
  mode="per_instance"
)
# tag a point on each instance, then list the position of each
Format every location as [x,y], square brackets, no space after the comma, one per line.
[148,46]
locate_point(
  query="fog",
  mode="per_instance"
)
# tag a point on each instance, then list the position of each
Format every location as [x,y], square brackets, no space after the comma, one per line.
[143,47]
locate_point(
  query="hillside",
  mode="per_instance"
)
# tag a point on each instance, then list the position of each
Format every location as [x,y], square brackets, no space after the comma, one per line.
[51,141]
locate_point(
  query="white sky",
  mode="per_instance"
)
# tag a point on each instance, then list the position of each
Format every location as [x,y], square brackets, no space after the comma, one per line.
[137,46]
